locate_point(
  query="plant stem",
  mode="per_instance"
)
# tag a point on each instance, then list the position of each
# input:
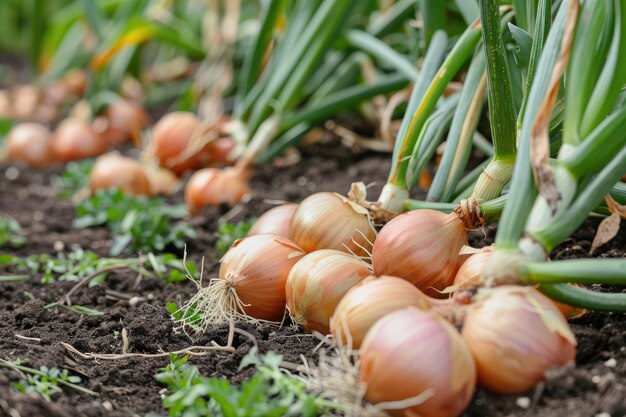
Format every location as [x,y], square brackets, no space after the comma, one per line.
[490,210]
[578,271]
[433,16]
[584,298]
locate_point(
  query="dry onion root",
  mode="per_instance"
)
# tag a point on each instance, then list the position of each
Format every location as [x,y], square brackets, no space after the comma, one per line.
[317,283]
[413,353]
[515,335]
[250,283]
[275,221]
[331,221]
[368,302]
[30,143]
[116,171]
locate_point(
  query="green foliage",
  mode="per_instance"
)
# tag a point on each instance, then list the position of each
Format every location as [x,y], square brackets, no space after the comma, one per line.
[9,229]
[268,393]
[137,223]
[74,178]
[188,316]
[228,233]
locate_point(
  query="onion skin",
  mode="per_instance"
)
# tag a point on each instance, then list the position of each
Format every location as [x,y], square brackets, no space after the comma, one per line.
[515,335]
[275,221]
[30,143]
[330,221]
[125,120]
[213,187]
[468,277]
[368,302]
[115,171]
[410,351]
[75,139]
[421,246]
[257,268]
[317,283]
[171,136]
[162,181]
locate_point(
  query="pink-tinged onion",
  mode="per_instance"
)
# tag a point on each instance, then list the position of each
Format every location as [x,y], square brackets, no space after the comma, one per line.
[468,277]
[318,282]
[213,187]
[515,335]
[368,302]
[331,221]
[30,143]
[171,137]
[162,181]
[116,171]
[421,246]
[25,99]
[411,353]
[75,139]
[255,269]
[125,120]
[275,221]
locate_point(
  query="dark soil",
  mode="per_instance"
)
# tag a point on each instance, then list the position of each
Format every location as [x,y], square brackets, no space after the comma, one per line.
[596,385]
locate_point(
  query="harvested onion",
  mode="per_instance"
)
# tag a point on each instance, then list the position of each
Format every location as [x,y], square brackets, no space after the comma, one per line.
[116,171]
[468,276]
[171,136]
[75,139]
[421,246]
[414,354]
[368,302]
[275,221]
[213,187]
[125,120]
[30,143]
[331,221]
[162,181]
[317,283]
[251,281]
[516,334]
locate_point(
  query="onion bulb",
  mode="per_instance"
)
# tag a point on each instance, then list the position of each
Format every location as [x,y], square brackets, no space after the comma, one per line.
[516,334]
[421,246]
[414,354]
[251,281]
[368,302]
[213,187]
[162,181]
[75,139]
[331,221]
[30,143]
[171,136]
[275,221]
[468,276]
[25,100]
[316,284]
[116,171]
[125,120]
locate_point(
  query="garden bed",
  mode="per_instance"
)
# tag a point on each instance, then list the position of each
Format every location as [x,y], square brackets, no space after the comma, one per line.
[127,387]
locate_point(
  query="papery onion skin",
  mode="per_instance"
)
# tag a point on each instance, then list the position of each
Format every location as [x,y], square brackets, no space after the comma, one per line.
[275,221]
[330,221]
[318,282]
[468,276]
[162,181]
[171,136]
[125,119]
[512,345]
[30,143]
[75,139]
[421,246]
[119,172]
[368,302]
[257,268]
[410,351]
[213,187]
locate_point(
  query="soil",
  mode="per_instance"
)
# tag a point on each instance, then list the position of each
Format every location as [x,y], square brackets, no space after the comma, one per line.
[596,386]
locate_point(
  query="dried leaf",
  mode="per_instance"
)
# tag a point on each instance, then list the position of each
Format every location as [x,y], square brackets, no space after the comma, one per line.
[609,226]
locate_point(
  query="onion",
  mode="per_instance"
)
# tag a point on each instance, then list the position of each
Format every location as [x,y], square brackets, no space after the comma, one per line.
[213,187]
[162,181]
[30,143]
[421,246]
[116,171]
[125,120]
[170,138]
[516,334]
[251,281]
[318,282]
[468,276]
[331,221]
[275,221]
[75,139]
[413,353]
[25,101]
[368,302]
[218,151]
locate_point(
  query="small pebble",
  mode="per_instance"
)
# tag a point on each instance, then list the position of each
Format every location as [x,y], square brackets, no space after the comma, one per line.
[107,406]
[523,402]
[602,415]
[134,301]
[596,379]
[38,216]
[58,246]
[611,363]
[12,173]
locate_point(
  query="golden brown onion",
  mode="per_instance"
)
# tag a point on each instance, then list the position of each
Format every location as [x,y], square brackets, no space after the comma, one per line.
[125,120]
[515,335]
[468,275]
[75,139]
[171,136]
[30,143]
[368,302]
[411,353]
[162,181]
[275,221]
[318,282]
[116,171]
[331,221]
[212,187]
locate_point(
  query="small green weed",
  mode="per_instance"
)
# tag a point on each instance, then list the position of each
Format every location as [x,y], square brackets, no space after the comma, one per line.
[9,232]
[74,178]
[228,233]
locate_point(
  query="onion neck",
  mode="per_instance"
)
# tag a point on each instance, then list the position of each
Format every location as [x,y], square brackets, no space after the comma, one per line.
[493,179]
[469,212]
[392,198]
